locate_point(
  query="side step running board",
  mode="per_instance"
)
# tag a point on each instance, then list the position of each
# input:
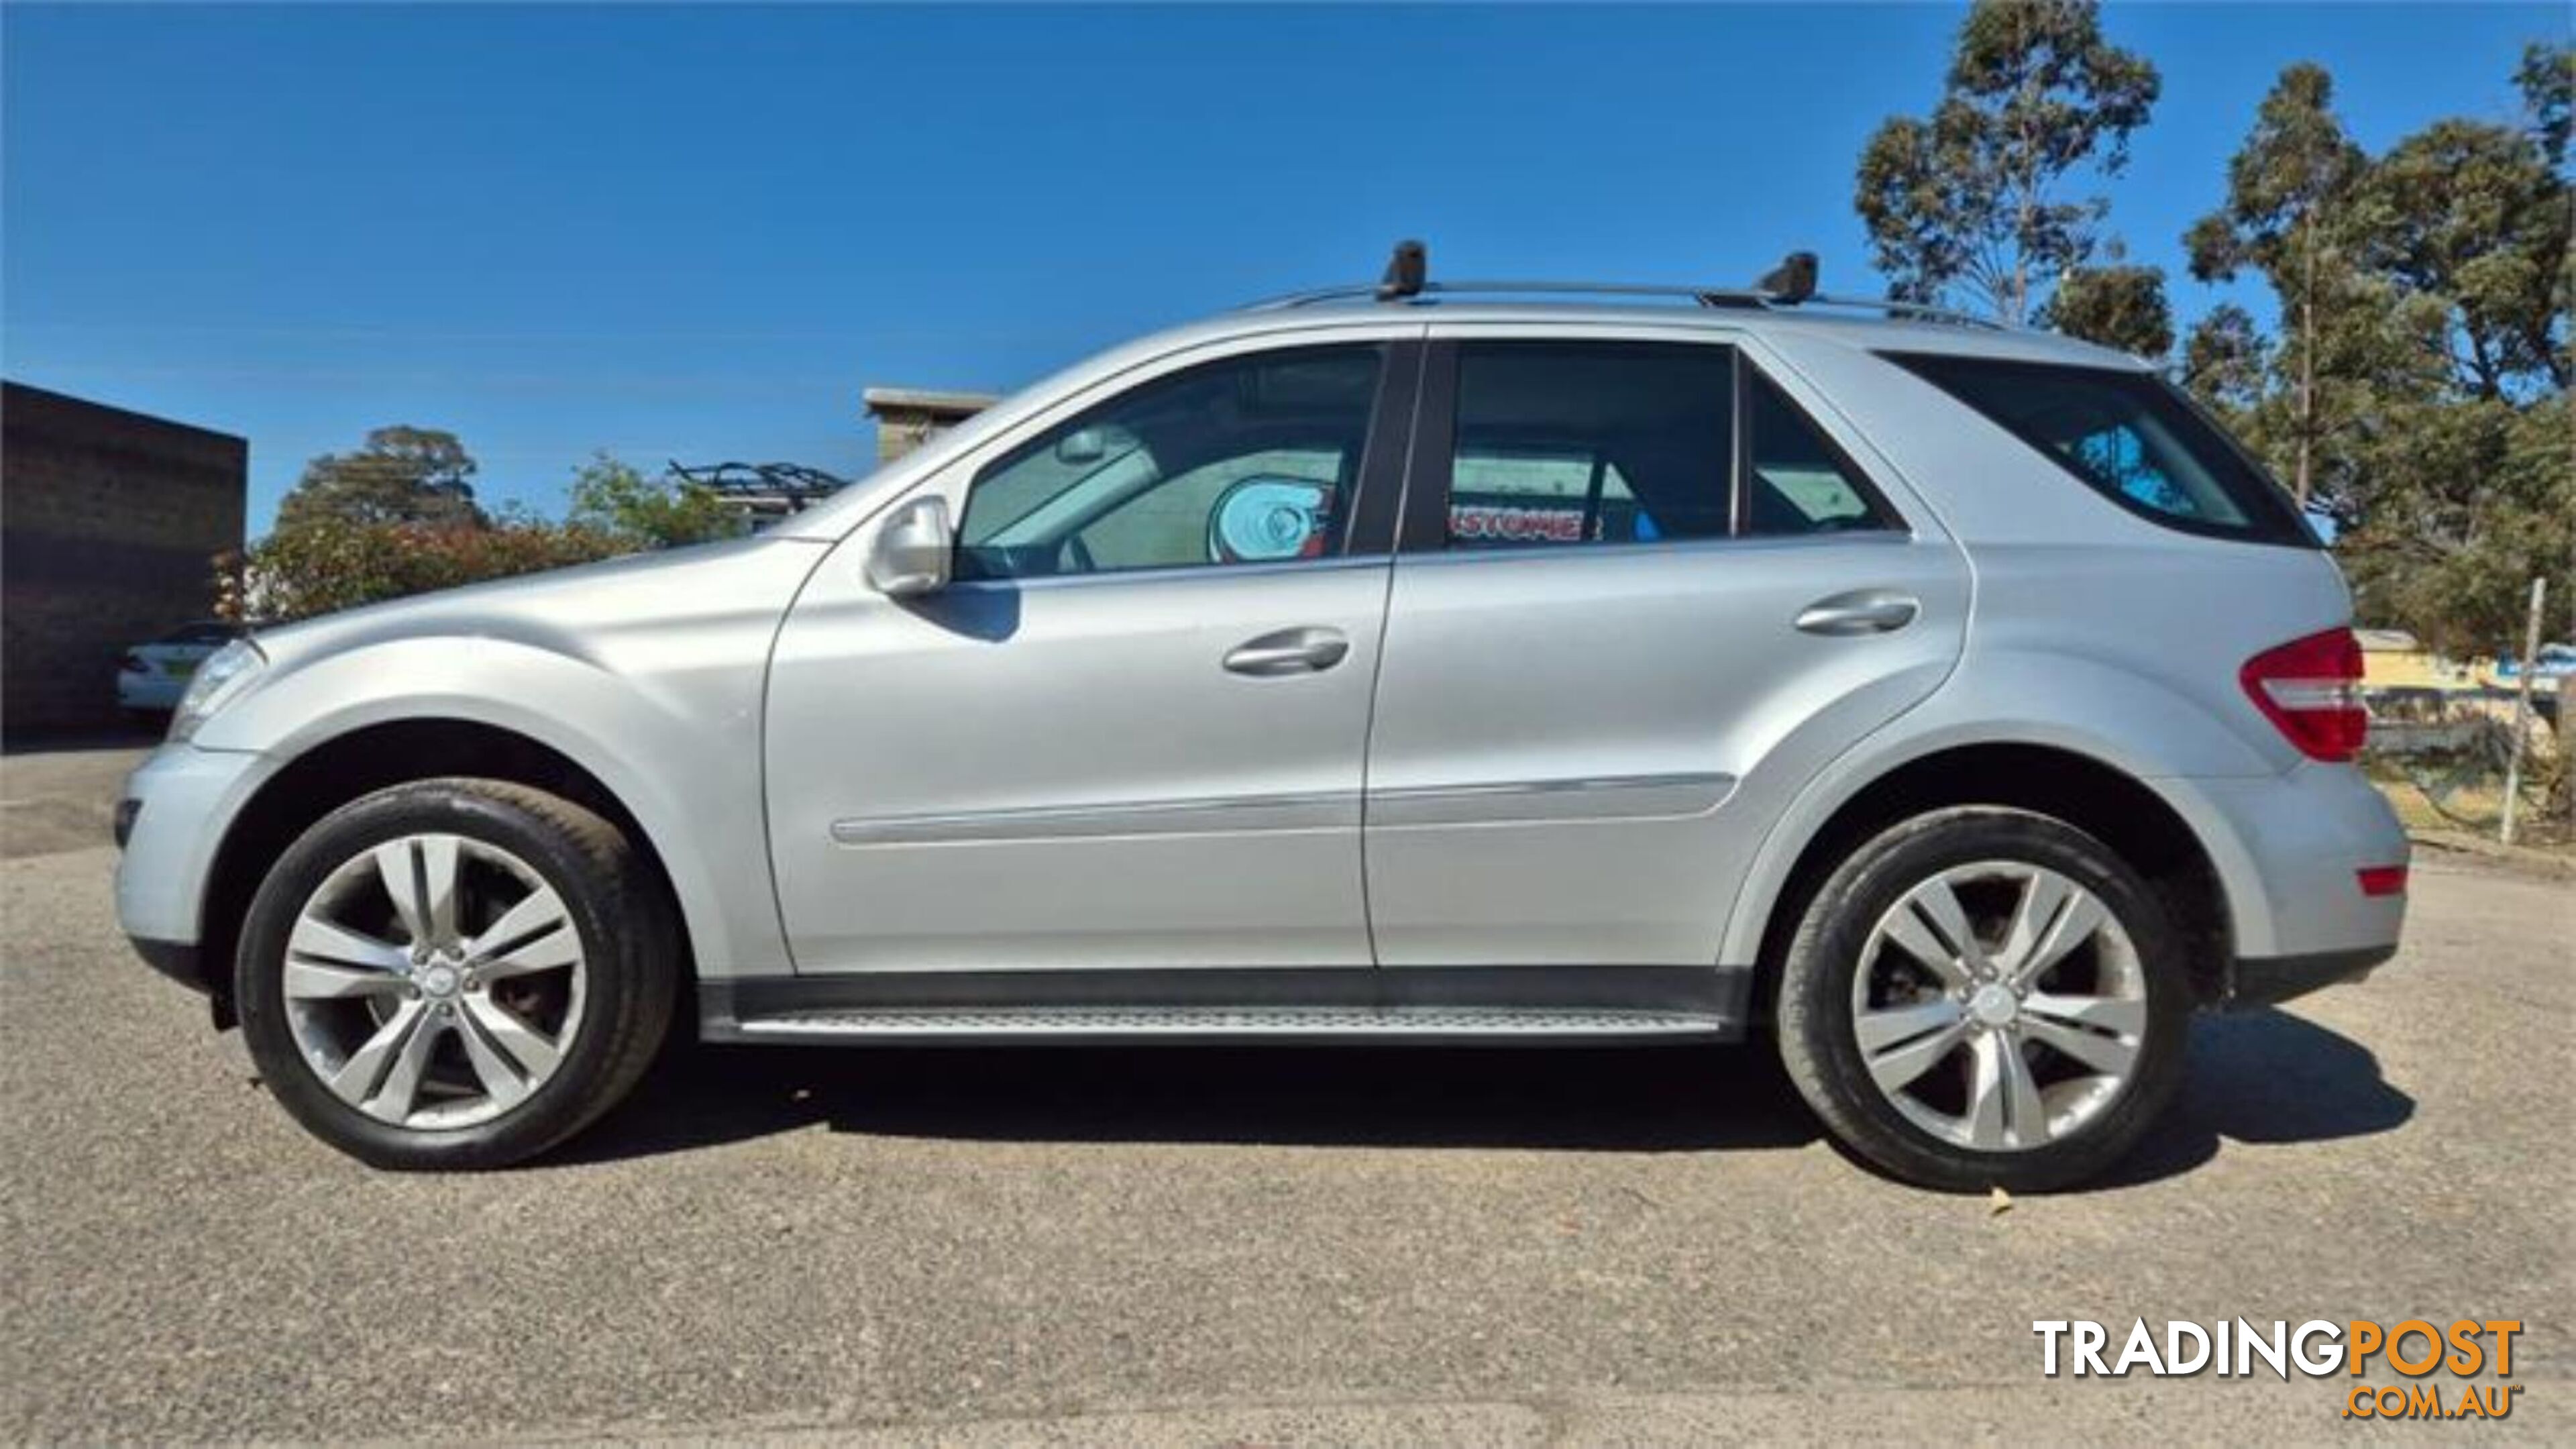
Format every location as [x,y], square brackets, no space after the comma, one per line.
[1073,1025]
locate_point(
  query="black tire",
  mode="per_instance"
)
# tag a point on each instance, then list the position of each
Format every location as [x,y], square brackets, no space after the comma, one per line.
[627,937]
[1818,1038]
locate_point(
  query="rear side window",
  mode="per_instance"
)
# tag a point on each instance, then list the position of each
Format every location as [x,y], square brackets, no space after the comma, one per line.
[2130,437]
[1796,480]
[1574,443]
[1591,442]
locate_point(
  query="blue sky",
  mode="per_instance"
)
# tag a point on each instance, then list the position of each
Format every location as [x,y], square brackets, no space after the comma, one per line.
[698,232]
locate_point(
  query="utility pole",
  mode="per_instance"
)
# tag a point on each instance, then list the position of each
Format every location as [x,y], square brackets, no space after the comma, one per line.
[2522,700]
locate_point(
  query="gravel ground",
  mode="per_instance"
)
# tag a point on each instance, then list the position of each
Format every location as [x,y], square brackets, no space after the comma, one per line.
[1223,1247]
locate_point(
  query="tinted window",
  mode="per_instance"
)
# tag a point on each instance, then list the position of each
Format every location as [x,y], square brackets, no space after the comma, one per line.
[1567,443]
[2128,435]
[1800,482]
[1249,460]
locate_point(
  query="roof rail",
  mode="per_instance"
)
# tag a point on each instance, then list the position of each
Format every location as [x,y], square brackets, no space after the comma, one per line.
[1906,311]
[1788,287]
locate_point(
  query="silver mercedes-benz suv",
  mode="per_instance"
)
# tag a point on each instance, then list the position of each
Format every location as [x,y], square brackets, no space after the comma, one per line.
[1443,663]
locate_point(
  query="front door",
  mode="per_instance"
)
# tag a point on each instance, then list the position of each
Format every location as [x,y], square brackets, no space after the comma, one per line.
[1642,595]
[1130,733]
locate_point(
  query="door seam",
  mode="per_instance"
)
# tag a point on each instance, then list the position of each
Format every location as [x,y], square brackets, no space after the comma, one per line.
[1385,635]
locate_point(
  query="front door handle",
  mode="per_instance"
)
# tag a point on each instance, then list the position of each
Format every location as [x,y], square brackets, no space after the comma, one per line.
[1862,611]
[1290,651]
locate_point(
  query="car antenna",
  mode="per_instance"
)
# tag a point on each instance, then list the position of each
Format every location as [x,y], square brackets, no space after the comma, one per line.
[1791,282]
[1407,272]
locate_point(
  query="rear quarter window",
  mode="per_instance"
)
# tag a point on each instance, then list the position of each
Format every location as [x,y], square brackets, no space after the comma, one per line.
[2129,436]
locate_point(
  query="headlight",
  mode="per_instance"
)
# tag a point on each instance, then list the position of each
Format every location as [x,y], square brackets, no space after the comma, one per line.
[223,676]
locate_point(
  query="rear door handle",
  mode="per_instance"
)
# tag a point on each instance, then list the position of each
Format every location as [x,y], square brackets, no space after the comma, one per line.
[1862,611]
[1289,651]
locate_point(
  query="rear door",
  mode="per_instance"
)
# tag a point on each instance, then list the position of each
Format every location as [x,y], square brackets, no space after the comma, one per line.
[1644,589]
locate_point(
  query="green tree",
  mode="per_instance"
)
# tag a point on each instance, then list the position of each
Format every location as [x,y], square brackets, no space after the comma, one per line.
[2474,214]
[2547,80]
[1973,197]
[2470,446]
[400,475]
[2120,305]
[2289,214]
[2548,83]
[613,498]
[2225,363]
[2482,498]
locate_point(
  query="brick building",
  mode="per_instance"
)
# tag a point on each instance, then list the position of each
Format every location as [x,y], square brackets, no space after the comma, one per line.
[109,524]
[908,417]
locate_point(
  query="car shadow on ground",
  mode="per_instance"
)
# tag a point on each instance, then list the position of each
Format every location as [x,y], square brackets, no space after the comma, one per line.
[1615,1099]
[2261,1077]
[140,733]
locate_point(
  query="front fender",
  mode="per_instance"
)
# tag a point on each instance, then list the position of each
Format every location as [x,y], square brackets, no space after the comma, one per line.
[684,762]
[648,672]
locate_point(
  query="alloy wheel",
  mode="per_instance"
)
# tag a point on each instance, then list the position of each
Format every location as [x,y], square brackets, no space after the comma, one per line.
[434,981]
[2000,1006]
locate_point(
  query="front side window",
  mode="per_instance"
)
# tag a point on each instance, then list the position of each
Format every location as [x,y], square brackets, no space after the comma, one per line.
[2127,435]
[1248,460]
[1590,442]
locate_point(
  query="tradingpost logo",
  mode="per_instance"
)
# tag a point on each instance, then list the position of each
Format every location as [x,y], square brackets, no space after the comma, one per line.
[2435,1359]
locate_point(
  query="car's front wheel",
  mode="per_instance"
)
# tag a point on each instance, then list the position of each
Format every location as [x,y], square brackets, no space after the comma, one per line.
[454,973]
[1985,997]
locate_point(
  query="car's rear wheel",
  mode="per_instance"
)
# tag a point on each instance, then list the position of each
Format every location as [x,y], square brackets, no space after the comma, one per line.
[454,973]
[1984,997]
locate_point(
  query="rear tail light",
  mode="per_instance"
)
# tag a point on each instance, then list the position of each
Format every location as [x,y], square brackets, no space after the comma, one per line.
[133,664]
[2381,880]
[2311,690]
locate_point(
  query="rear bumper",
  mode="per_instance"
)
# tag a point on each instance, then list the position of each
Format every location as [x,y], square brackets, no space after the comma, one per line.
[2288,850]
[2268,980]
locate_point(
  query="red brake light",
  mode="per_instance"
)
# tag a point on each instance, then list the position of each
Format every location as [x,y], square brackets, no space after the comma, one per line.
[2381,880]
[2311,690]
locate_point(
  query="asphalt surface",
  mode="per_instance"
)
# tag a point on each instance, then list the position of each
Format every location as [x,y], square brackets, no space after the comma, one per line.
[1200,1247]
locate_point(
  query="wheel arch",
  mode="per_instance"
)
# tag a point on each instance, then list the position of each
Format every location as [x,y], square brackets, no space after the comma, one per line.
[2135,820]
[371,757]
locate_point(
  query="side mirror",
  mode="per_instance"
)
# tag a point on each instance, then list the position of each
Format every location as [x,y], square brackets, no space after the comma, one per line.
[911,554]
[1082,445]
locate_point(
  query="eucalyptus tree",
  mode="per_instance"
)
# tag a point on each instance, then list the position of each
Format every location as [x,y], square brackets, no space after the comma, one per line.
[1983,196]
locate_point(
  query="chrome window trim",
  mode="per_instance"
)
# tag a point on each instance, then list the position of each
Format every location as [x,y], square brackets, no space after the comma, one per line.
[1872,537]
[1176,571]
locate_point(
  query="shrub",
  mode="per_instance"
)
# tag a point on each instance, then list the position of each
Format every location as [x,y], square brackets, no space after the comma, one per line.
[328,563]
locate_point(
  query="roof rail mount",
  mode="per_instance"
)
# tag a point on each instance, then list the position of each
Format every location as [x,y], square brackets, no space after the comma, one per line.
[1791,282]
[1407,272]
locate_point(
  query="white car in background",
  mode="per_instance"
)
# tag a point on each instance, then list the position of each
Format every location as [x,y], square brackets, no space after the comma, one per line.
[151,677]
